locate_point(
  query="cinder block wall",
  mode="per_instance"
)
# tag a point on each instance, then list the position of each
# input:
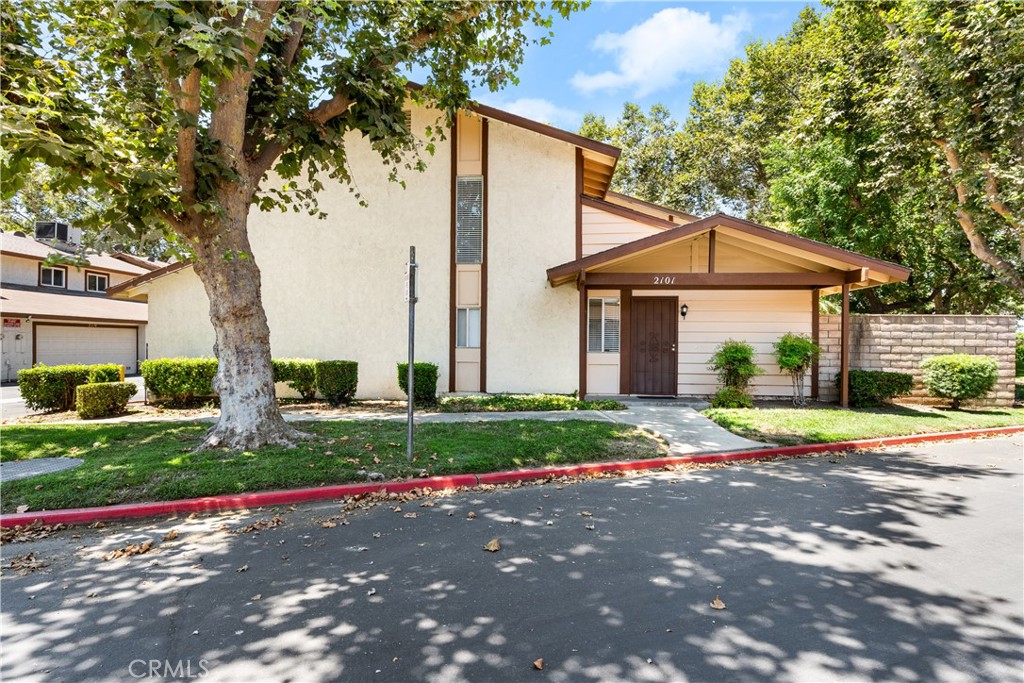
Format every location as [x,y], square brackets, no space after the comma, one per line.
[898,343]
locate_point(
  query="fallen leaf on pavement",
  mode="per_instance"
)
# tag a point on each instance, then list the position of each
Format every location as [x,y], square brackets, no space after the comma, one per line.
[243,568]
[493,546]
[171,535]
[129,550]
[538,664]
[587,514]
[28,532]
[27,563]
[471,515]
[258,596]
[410,515]
[259,525]
[427,504]
[717,603]
[328,525]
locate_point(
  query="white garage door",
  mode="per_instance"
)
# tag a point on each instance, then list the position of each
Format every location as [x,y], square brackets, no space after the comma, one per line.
[58,344]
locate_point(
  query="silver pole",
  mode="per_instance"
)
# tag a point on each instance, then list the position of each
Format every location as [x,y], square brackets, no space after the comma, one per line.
[410,376]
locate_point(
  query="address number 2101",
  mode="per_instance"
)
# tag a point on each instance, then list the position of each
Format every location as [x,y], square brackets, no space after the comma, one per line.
[664,280]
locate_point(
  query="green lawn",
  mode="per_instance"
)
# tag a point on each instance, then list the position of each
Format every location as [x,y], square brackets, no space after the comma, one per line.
[154,461]
[823,425]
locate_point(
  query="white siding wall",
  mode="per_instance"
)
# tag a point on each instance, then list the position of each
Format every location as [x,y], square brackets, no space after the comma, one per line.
[532,328]
[19,271]
[179,317]
[603,230]
[754,316]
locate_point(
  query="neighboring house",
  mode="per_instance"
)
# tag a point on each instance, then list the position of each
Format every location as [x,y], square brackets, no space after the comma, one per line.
[59,312]
[534,275]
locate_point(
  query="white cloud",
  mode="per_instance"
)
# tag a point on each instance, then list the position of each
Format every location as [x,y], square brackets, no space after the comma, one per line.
[544,111]
[651,55]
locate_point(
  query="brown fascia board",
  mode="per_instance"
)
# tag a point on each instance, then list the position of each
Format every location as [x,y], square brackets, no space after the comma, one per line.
[136,261]
[142,279]
[634,200]
[677,232]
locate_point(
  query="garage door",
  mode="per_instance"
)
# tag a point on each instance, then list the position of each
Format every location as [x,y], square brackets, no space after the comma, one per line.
[58,344]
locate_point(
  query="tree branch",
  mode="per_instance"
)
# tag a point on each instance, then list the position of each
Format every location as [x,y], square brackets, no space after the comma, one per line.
[979,245]
[993,197]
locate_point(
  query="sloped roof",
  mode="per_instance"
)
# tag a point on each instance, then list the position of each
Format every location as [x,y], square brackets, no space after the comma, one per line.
[27,247]
[38,303]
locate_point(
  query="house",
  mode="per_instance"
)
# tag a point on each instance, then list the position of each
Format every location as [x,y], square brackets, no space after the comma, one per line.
[534,275]
[54,303]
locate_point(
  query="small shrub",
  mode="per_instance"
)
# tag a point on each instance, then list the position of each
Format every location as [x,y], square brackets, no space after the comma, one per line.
[731,397]
[297,373]
[51,387]
[103,398]
[734,363]
[1019,355]
[336,380]
[523,402]
[795,353]
[179,380]
[872,388]
[108,372]
[424,379]
[959,376]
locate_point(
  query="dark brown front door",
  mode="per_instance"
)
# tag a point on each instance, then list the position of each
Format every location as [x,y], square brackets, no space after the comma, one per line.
[654,336]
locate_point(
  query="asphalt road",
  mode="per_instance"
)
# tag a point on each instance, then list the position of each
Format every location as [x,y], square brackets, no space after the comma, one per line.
[12,405]
[899,566]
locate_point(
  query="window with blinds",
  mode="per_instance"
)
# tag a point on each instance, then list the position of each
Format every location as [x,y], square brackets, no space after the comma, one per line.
[469,219]
[603,325]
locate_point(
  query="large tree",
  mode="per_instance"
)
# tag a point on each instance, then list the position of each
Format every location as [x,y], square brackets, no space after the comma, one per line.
[178,111]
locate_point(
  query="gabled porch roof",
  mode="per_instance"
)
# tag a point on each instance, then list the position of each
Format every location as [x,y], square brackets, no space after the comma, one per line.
[784,261]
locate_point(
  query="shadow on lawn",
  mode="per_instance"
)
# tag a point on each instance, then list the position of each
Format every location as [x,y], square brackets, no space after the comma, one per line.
[824,567]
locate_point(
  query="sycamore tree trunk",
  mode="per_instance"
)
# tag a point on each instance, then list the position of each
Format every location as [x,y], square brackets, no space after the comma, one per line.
[249,416]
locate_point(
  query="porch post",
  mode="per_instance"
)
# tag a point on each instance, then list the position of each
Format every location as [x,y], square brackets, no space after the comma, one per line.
[816,338]
[844,350]
[583,342]
[625,340]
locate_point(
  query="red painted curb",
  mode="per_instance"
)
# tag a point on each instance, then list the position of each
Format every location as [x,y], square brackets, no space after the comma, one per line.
[269,498]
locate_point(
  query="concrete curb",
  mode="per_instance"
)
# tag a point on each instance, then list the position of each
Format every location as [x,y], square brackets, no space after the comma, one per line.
[269,498]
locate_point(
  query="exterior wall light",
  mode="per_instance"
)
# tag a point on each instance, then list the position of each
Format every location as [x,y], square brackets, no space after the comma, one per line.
[683,309]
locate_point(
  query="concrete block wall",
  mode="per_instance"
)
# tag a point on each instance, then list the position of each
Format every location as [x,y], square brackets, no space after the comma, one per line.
[898,343]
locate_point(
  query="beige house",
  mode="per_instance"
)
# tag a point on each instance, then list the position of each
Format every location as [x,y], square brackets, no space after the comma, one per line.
[534,277]
[58,312]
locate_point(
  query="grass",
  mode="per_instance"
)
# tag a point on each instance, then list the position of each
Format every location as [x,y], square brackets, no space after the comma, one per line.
[521,402]
[154,461]
[825,425]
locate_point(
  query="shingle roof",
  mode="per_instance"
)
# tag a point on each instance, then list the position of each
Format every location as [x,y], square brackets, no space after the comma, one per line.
[26,247]
[38,303]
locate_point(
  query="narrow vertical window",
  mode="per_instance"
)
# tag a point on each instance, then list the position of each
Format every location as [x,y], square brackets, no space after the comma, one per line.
[467,328]
[469,219]
[603,325]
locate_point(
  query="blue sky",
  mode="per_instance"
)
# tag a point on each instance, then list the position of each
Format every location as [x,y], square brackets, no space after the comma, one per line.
[645,52]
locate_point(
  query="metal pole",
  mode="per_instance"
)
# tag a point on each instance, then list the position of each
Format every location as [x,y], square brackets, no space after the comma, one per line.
[410,376]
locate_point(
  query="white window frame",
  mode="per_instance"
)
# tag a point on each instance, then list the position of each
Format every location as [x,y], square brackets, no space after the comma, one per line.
[101,290]
[54,269]
[464,333]
[606,343]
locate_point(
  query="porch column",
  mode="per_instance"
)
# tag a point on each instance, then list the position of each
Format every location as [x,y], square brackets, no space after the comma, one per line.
[816,338]
[583,341]
[844,350]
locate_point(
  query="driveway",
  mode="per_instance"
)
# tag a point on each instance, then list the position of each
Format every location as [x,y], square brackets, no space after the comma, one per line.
[12,405]
[903,565]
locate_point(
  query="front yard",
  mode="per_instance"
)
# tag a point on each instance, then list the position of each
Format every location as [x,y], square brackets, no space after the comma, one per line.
[154,461]
[788,426]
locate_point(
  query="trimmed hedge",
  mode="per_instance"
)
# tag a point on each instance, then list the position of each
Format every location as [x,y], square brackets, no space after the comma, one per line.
[731,397]
[872,388]
[103,398]
[336,380]
[297,373]
[424,379]
[960,376]
[179,380]
[53,387]
[523,402]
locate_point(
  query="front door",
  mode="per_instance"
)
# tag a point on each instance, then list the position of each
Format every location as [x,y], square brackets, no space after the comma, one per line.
[654,336]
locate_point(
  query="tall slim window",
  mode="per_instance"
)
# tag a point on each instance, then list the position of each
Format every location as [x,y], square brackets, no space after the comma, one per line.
[467,328]
[469,219]
[603,325]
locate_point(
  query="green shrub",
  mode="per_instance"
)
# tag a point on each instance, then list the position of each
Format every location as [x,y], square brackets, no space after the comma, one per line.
[108,372]
[297,373]
[336,380]
[179,380]
[103,398]
[731,397]
[795,353]
[871,388]
[51,387]
[523,402]
[425,379]
[959,376]
[734,363]
[1019,355]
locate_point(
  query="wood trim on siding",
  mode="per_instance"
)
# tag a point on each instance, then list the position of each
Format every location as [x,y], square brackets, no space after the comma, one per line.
[844,350]
[626,212]
[816,338]
[452,272]
[579,203]
[483,262]
[710,280]
[711,251]
[583,343]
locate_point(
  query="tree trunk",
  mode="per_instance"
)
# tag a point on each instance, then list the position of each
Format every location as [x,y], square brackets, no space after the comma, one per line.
[249,416]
